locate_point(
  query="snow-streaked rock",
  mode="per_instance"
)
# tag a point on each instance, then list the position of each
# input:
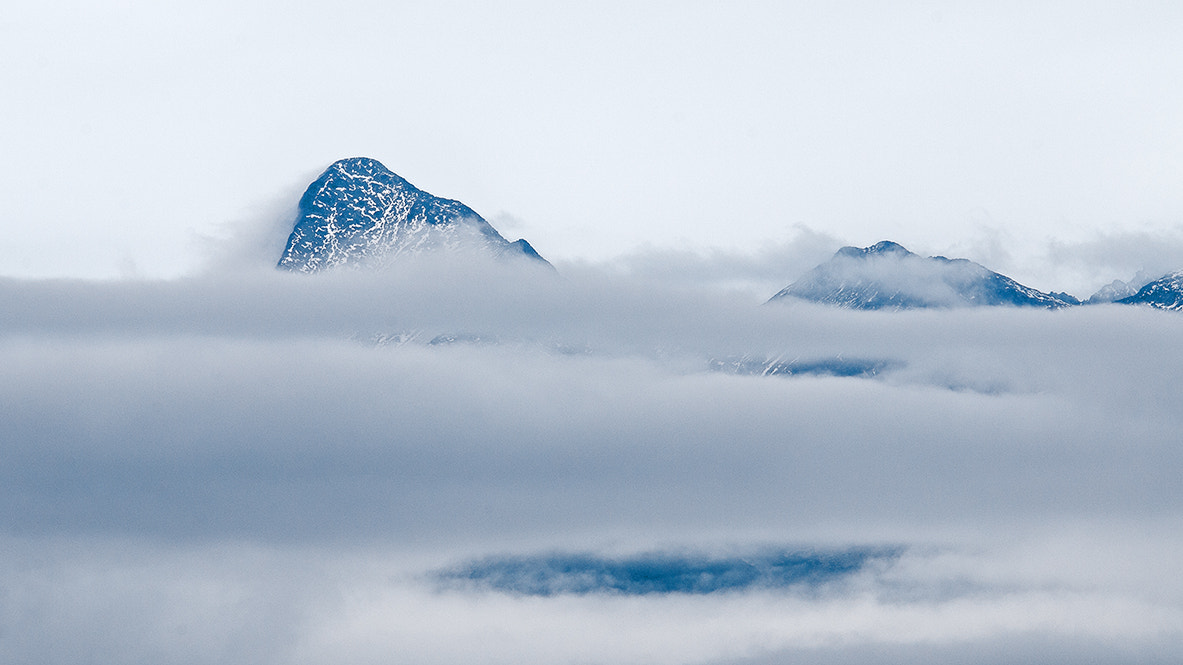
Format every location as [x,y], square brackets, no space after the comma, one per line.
[358,212]
[1166,292]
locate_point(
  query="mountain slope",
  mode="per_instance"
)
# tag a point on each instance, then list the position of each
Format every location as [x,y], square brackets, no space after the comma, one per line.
[1166,292]
[359,212]
[888,276]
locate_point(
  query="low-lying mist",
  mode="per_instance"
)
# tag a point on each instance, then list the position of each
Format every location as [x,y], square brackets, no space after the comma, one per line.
[269,466]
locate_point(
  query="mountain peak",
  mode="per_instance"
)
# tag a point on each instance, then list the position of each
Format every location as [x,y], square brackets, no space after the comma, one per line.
[883,247]
[888,276]
[359,163]
[360,212]
[363,168]
[1166,292]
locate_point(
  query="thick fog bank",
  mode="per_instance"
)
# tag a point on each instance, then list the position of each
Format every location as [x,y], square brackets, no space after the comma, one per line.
[276,467]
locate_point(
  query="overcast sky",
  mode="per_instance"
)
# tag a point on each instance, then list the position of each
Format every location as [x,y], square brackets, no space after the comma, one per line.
[1042,140]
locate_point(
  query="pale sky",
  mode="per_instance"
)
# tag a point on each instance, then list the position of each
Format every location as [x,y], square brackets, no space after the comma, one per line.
[1030,138]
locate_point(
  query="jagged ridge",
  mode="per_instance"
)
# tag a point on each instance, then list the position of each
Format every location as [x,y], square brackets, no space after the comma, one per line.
[1166,292]
[888,276]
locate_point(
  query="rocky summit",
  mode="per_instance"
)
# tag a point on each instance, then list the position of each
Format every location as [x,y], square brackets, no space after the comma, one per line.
[358,212]
[888,276]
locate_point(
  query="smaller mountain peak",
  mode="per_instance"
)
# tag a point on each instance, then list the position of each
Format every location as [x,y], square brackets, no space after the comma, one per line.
[525,248]
[881,248]
[1166,292]
[1118,289]
[888,276]
[367,164]
[886,247]
[1066,297]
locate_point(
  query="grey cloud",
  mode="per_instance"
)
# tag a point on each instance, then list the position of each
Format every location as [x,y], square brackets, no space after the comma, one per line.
[760,272]
[255,240]
[252,411]
[993,651]
[1120,254]
[161,424]
[1124,252]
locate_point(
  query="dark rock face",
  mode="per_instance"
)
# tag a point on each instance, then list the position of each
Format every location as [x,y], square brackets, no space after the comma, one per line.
[888,276]
[1166,292]
[358,212]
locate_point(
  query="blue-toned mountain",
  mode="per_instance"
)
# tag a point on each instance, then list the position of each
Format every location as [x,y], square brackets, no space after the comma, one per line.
[888,276]
[358,212]
[1166,292]
[1118,289]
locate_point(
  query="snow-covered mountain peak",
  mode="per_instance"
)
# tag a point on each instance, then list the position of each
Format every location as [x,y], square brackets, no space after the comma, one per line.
[881,248]
[1166,292]
[358,212]
[888,276]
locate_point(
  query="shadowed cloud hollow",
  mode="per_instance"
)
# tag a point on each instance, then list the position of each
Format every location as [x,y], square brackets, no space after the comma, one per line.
[660,573]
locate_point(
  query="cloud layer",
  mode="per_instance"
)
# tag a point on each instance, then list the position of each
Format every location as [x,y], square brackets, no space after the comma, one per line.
[267,466]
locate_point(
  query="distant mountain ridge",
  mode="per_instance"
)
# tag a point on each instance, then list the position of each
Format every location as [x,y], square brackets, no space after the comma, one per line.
[1118,289]
[358,212]
[888,276]
[1166,292]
